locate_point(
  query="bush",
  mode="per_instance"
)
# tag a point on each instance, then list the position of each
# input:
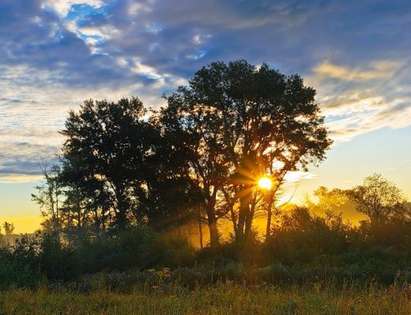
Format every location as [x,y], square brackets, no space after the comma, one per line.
[303,248]
[49,257]
[136,248]
[57,260]
[20,266]
[302,238]
[248,253]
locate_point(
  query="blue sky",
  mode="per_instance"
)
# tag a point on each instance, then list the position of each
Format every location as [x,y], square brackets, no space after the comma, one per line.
[56,53]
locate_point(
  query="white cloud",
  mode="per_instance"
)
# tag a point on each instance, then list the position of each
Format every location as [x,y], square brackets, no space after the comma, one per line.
[199,39]
[162,80]
[146,70]
[136,8]
[62,7]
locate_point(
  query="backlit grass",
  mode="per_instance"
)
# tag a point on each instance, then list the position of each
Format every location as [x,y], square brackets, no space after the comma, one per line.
[220,299]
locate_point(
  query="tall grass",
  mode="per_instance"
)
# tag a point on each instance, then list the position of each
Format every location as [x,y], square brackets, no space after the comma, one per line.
[222,299]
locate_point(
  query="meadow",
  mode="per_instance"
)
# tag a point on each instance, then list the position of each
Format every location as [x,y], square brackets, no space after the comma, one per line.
[221,299]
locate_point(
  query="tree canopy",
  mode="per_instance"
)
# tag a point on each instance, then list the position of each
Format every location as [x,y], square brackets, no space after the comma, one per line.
[240,122]
[200,156]
[380,199]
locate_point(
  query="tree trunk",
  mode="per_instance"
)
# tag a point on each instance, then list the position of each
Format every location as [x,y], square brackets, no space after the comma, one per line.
[250,217]
[121,215]
[268,227]
[212,226]
[242,217]
[211,217]
[122,207]
[200,229]
[269,217]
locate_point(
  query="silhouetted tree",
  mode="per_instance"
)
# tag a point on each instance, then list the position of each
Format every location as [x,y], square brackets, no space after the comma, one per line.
[109,142]
[86,206]
[195,130]
[379,199]
[8,228]
[171,196]
[118,168]
[49,196]
[335,201]
[239,121]
[6,239]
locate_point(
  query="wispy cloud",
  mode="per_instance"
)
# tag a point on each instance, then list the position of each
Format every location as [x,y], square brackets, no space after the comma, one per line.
[19,178]
[56,53]
[358,100]
[377,70]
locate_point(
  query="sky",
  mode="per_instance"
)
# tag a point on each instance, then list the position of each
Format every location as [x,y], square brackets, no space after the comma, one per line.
[56,53]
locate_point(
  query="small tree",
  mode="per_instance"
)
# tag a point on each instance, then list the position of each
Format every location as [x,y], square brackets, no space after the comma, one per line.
[334,201]
[8,228]
[379,199]
[48,196]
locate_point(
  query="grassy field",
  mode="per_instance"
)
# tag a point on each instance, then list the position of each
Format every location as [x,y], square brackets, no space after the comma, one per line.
[220,299]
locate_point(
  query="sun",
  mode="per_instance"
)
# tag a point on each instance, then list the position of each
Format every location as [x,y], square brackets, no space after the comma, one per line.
[265,183]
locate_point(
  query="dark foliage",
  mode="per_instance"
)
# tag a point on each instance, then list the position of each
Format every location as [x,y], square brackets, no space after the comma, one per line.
[236,121]
[45,258]
[304,247]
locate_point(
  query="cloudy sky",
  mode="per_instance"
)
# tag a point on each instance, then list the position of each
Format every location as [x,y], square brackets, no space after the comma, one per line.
[56,53]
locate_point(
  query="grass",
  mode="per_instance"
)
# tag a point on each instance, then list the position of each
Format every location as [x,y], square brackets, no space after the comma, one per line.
[221,299]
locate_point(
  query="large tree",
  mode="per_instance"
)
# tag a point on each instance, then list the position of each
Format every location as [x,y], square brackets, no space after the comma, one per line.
[118,168]
[106,148]
[239,121]
[195,131]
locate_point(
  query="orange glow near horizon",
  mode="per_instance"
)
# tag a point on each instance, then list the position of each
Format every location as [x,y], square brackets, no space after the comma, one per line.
[23,224]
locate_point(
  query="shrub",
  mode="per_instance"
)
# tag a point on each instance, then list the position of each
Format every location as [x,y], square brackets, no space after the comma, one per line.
[136,248]
[20,266]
